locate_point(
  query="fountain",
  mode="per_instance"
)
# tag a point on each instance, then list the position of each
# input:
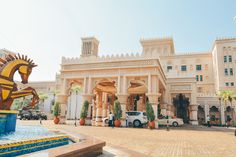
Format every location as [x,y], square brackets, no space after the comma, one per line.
[21,140]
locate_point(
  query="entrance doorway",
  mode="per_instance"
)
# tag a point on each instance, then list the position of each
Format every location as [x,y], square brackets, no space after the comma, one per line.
[136,102]
[181,104]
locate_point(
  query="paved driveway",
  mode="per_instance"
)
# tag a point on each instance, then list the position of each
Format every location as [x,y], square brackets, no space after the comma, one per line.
[187,141]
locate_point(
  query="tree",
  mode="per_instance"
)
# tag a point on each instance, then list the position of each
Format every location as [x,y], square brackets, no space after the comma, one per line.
[150,112]
[56,109]
[117,110]
[227,96]
[84,111]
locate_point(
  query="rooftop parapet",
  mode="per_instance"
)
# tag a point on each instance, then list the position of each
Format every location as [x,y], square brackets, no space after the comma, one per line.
[107,58]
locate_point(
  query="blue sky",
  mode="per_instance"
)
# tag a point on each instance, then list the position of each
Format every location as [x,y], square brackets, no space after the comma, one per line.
[46,30]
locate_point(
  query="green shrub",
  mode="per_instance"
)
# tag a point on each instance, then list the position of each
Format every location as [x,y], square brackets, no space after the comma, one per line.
[117,110]
[56,109]
[84,111]
[150,112]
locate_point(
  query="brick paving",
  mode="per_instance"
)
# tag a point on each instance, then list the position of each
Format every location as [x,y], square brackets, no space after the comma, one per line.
[179,142]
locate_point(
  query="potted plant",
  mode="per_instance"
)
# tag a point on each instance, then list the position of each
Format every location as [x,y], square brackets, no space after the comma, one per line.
[150,116]
[84,112]
[117,113]
[56,112]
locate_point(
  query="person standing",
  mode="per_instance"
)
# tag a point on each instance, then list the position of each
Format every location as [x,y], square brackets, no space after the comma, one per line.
[127,120]
[228,121]
[110,119]
[208,121]
[113,120]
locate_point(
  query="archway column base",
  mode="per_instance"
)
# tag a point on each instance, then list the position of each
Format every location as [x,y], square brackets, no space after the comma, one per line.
[195,122]
[193,114]
[122,98]
[62,99]
[164,109]
[153,99]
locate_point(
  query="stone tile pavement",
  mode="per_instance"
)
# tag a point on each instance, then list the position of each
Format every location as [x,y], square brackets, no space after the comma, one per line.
[187,141]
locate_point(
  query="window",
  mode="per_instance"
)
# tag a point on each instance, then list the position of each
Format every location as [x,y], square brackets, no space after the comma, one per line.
[231,71]
[198,67]
[232,83]
[183,68]
[169,67]
[226,84]
[230,58]
[197,77]
[226,71]
[201,78]
[225,58]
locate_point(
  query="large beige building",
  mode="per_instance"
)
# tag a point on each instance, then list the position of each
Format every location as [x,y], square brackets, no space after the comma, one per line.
[181,85]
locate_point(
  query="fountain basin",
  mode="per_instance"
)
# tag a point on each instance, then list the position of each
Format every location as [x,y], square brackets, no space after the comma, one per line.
[10,149]
[7,121]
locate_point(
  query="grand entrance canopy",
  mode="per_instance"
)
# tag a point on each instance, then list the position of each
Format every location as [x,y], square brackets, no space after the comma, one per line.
[106,85]
[137,87]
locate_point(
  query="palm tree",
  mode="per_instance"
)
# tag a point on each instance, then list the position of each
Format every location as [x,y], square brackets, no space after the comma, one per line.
[75,89]
[226,96]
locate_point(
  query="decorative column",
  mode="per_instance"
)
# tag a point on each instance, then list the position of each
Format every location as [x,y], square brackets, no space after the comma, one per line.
[222,114]
[170,110]
[62,99]
[122,98]
[153,99]
[206,109]
[94,111]
[99,110]
[104,107]
[164,109]
[193,114]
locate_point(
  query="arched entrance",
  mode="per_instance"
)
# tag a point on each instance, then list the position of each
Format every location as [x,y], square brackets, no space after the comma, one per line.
[201,115]
[181,104]
[229,114]
[137,98]
[105,91]
[214,115]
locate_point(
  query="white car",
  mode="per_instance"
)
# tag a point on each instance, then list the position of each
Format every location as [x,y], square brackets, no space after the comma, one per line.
[172,121]
[135,118]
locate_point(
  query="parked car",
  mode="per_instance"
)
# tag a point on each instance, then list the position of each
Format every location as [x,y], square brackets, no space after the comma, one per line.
[31,115]
[135,118]
[172,121]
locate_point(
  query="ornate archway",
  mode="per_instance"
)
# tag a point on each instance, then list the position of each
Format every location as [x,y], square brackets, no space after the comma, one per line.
[137,97]
[104,90]
[214,115]
[201,115]
[181,104]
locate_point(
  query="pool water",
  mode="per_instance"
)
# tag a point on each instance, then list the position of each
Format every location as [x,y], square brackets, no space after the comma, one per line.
[28,139]
[27,132]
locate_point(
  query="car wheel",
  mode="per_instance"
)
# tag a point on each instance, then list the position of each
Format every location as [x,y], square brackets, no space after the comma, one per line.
[137,123]
[175,124]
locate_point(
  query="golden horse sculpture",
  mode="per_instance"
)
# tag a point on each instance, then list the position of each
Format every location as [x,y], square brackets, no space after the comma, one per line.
[8,88]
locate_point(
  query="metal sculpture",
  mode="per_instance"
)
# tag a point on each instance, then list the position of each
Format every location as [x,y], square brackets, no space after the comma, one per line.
[8,88]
